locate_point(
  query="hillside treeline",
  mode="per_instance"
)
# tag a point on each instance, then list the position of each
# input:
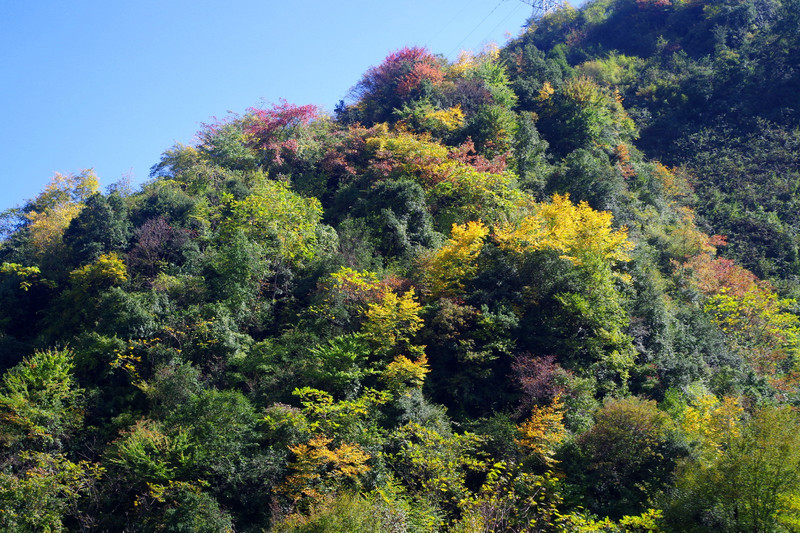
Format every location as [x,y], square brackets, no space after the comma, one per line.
[547,287]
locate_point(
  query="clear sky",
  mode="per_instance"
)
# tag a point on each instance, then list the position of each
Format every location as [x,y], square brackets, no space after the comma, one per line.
[110,85]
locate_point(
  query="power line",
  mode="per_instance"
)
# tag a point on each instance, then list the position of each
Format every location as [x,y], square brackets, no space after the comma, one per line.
[513,11]
[449,22]
[458,46]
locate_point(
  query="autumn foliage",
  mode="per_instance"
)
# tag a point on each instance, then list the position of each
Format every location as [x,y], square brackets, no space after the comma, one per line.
[549,287]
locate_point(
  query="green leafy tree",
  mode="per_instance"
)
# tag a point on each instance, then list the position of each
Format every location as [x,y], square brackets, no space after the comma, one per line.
[581,114]
[40,404]
[45,493]
[40,411]
[101,227]
[274,215]
[625,459]
[182,507]
[753,483]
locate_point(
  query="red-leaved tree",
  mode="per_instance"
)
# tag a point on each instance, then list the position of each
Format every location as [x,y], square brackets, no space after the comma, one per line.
[400,78]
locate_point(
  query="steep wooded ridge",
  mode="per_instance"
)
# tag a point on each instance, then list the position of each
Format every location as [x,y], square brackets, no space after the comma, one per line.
[549,287]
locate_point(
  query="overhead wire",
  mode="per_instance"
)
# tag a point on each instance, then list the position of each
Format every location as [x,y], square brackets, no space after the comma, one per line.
[458,46]
[451,20]
[513,12]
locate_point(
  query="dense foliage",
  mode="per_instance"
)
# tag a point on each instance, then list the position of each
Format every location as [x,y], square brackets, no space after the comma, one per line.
[547,288]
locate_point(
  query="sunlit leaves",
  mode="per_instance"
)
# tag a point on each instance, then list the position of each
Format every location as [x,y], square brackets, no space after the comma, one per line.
[403,373]
[458,186]
[614,71]
[278,132]
[107,271]
[275,215]
[341,363]
[437,464]
[318,467]
[542,432]
[330,454]
[577,231]
[710,424]
[27,276]
[629,456]
[749,485]
[49,214]
[44,490]
[446,274]
[47,227]
[582,114]
[406,68]
[147,453]
[393,320]
[648,521]
[415,155]
[66,189]
[582,246]
[39,400]
[346,295]
[456,261]
[182,506]
[593,305]
[322,414]
[447,119]
[487,68]
[404,74]
[424,117]
[765,327]
[511,499]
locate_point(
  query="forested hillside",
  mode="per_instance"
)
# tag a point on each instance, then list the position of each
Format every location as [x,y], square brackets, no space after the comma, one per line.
[548,287]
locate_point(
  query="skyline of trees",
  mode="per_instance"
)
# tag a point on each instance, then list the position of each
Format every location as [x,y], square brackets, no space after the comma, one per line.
[548,287]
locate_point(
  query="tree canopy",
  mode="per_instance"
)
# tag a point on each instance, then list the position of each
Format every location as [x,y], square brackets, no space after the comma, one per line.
[548,287]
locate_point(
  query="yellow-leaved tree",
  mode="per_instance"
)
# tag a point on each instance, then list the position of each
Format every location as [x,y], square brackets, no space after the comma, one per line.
[763,327]
[580,233]
[50,213]
[542,432]
[585,316]
[456,261]
[333,436]
[710,423]
[384,317]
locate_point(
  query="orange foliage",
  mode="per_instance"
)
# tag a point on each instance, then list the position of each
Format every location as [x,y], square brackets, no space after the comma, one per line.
[710,275]
[758,323]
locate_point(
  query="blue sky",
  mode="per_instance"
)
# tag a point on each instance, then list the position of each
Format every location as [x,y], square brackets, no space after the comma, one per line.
[111,85]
